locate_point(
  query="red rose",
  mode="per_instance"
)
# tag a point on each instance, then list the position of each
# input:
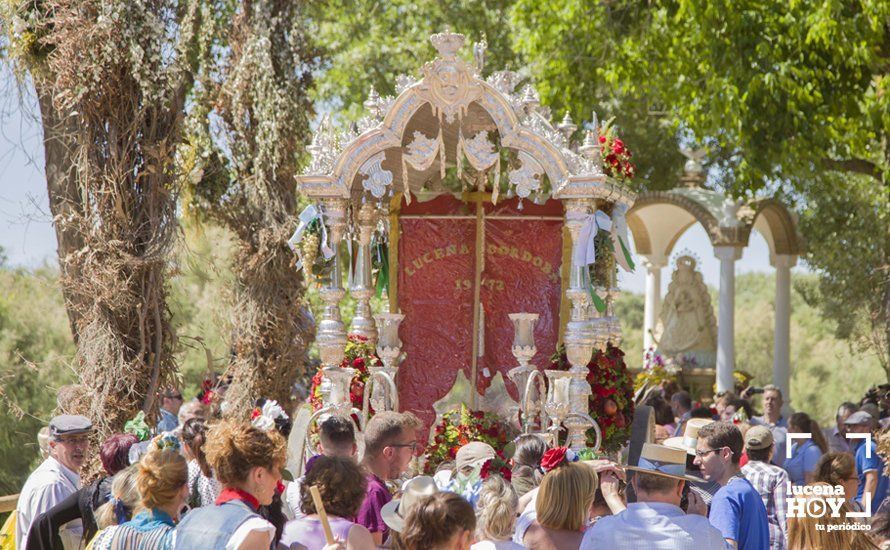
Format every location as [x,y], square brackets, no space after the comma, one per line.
[618,146]
[553,458]
[506,473]
[452,452]
[359,363]
[602,139]
[486,469]
[478,414]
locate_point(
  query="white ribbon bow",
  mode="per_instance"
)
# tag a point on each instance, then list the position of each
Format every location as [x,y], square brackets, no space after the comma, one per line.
[584,252]
[307,216]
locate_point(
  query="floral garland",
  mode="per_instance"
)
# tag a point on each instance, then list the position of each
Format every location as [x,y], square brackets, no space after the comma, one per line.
[616,155]
[611,402]
[459,427]
[360,355]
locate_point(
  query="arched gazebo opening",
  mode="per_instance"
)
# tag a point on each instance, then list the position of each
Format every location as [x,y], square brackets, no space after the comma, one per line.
[659,219]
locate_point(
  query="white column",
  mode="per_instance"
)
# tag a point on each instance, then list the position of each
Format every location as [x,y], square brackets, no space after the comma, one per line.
[653,298]
[726,316]
[782,350]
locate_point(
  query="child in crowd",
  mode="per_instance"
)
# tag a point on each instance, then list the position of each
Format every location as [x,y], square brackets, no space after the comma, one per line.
[443,521]
[495,515]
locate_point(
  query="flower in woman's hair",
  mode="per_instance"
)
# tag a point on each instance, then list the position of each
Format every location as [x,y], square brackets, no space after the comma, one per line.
[207,397]
[270,412]
[556,456]
[166,442]
[496,465]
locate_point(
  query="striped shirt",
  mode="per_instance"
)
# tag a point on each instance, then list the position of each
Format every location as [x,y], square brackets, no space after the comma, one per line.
[125,537]
[770,482]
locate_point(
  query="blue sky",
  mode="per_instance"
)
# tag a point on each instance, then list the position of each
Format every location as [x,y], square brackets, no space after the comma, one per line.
[28,239]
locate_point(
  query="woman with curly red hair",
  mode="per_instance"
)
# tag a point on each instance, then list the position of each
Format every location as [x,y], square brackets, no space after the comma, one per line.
[247,461]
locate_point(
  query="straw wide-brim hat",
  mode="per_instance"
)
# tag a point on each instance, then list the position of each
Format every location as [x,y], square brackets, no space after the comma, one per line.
[395,511]
[690,435]
[661,460]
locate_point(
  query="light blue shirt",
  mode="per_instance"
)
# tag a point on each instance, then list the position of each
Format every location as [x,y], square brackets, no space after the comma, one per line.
[804,458]
[168,422]
[652,525]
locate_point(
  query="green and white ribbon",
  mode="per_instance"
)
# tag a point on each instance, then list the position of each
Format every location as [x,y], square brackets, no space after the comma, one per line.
[584,251]
[623,256]
[307,216]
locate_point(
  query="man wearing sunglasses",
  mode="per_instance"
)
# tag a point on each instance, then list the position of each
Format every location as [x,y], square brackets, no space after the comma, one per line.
[737,510]
[56,478]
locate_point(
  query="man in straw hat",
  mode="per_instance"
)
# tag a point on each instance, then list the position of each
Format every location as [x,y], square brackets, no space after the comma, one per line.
[687,442]
[736,510]
[656,520]
[769,480]
[396,511]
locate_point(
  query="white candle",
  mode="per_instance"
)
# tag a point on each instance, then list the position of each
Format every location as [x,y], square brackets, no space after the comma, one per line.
[561,391]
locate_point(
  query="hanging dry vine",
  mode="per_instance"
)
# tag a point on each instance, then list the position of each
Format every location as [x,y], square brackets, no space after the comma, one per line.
[111,78]
[248,130]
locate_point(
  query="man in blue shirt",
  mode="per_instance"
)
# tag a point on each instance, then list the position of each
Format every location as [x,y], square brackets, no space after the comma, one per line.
[171,401]
[656,521]
[737,510]
[869,466]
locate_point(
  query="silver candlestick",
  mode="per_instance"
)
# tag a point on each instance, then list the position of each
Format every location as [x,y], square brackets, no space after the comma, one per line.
[381,391]
[523,348]
[331,334]
[579,338]
[557,405]
[361,290]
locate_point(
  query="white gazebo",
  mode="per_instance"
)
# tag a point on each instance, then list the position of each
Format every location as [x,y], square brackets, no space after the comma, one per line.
[657,221]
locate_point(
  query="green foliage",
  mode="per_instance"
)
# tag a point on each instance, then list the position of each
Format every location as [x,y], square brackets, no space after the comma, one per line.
[370,43]
[774,88]
[571,47]
[790,98]
[199,303]
[849,230]
[35,351]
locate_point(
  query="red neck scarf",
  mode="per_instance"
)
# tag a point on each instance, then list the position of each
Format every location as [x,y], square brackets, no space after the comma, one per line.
[231,493]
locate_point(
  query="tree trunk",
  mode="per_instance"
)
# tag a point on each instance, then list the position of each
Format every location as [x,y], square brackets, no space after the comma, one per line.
[64,200]
[272,325]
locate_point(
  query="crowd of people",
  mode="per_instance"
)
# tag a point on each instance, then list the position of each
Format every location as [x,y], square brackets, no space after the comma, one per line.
[711,477]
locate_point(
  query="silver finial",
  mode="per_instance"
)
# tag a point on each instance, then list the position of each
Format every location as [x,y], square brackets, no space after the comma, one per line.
[373,103]
[567,127]
[479,49]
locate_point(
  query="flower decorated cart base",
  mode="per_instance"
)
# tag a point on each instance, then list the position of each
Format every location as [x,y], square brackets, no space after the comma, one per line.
[611,401]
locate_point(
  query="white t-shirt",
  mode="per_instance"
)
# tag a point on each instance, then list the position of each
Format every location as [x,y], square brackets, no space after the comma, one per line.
[526,518]
[252,524]
[292,506]
[48,485]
